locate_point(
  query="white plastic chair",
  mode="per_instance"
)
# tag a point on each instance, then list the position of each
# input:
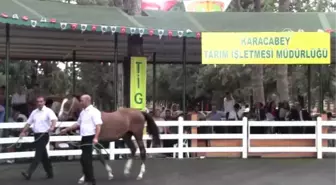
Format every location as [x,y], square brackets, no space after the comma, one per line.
[185,145]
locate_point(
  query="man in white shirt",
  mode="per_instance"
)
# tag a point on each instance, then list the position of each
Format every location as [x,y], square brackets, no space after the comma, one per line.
[19,101]
[89,122]
[228,104]
[19,97]
[42,120]
[235,114]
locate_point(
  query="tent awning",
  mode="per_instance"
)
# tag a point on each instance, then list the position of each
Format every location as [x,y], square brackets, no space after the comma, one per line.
[47,30]
[50,44]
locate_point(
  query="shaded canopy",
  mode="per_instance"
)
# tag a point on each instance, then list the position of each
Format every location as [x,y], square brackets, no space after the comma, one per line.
[53,30]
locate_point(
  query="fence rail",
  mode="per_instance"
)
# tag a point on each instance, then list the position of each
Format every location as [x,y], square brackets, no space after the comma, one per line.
[246,137]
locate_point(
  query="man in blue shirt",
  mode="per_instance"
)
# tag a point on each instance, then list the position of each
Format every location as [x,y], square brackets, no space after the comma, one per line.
[2,103]
[216,115]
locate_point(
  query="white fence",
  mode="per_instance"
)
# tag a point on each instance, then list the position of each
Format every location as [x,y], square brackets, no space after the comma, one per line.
[245,136]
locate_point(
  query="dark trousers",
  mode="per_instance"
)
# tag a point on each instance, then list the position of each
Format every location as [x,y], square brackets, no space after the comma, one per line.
[86,158]
[41,154]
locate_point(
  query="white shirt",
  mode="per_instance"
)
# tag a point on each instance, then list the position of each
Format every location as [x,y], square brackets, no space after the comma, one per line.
[88,119]
[19,99]
[40,120]
[233,115]
[270,117]
[228,105]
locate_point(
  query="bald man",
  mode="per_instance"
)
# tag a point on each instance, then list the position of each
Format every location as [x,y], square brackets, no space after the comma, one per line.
[89,122]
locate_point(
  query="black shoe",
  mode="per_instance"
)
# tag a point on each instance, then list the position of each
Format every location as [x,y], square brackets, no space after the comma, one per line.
[26,175]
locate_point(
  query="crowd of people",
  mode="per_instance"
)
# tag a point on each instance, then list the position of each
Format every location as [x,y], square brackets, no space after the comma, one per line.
[22,102]
[271,111]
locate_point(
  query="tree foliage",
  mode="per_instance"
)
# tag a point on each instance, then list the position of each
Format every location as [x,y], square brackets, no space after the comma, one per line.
[207,81]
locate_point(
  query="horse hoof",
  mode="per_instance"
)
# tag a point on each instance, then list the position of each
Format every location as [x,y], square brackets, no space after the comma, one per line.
[110,177]
[127,174]
[80,182]
[138,178]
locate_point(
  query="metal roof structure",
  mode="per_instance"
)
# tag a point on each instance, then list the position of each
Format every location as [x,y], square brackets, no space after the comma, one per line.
[53,30]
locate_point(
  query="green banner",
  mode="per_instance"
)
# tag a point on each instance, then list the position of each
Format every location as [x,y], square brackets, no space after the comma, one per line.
[138,82]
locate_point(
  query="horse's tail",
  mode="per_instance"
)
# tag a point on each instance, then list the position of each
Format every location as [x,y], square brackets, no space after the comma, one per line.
[152,129]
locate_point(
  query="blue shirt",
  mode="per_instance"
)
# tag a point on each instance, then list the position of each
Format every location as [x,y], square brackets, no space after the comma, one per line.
[215,116]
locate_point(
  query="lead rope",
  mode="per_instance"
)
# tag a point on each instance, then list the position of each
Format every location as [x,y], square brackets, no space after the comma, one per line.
[72,143]
[18,144]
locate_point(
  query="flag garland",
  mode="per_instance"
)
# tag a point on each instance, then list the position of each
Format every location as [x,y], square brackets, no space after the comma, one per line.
[104,29]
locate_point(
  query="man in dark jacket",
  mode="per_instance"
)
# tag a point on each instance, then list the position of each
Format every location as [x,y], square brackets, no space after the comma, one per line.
[300,114]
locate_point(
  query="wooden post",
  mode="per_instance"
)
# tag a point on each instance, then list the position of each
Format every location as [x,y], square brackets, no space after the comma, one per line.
[194,142]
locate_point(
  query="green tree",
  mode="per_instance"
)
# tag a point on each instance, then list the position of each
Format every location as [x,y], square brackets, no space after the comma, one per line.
[282,70]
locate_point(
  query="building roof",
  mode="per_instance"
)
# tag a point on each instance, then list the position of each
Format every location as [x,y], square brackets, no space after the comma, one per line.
[52,30]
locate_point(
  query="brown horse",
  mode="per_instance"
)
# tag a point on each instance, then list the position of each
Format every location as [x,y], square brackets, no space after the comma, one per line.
[123,123]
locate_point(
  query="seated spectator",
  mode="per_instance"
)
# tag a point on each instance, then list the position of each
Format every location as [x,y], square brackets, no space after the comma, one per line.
[297,113]
[175,112]
[167,115]
[162,114]
[284,111]
[157,117]
[31,97]
[2,111]
[228,104]
[200,115]
[271,111]
[258,113]
[271,115]
[17,117]
[331,142]
[216,115]
[2,104]
[19,101]
[235,115]
[283,115]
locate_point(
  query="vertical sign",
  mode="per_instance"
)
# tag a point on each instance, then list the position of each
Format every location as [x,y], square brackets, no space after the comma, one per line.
[138,82]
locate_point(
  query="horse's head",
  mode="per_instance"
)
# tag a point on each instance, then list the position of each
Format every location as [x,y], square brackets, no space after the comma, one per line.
[70,109]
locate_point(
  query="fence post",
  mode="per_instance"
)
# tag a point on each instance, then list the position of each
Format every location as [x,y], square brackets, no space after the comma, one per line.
[180,137]
[318,140]
[111,151]
[245,138]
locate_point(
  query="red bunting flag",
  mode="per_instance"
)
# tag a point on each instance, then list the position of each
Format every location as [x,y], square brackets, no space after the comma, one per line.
[93,27]
[123,30]
[74,26]
[25,18]
[170,33]
[4,15]
[53,20]
[151,32]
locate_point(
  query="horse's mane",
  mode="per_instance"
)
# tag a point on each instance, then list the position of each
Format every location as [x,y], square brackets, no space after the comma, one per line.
[77,96]
[70,96]
[56,106]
